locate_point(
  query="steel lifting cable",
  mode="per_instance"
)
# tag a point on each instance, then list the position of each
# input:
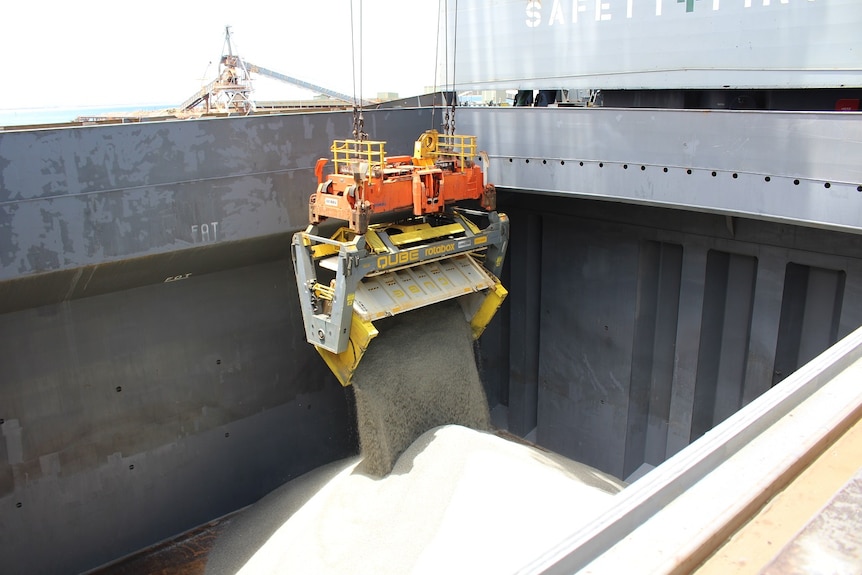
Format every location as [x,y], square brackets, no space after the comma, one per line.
[353,67]
[436,63]
[358,119]
[359,134]
[454,61]
[446,71]
[362,134]
[449,120]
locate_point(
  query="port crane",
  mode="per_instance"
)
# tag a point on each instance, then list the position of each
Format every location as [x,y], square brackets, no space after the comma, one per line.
[231,91]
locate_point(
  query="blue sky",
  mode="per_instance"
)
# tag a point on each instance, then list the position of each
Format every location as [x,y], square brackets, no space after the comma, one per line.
[100,52]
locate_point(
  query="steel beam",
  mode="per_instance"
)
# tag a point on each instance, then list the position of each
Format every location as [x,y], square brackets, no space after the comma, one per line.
[798,168]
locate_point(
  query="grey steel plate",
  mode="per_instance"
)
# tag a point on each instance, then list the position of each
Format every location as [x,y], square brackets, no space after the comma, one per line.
[793,167]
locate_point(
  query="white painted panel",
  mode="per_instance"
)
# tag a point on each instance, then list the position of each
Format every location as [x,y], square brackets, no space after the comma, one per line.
[651,44]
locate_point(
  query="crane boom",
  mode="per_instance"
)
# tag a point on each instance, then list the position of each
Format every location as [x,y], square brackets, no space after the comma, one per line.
[231,91]
[302,84]
[198,96]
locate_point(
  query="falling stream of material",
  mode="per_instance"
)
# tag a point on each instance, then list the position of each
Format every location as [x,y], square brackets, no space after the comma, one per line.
[419,373]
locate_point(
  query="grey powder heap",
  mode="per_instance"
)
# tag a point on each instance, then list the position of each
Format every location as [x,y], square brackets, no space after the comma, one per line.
[419,373]
[457,501]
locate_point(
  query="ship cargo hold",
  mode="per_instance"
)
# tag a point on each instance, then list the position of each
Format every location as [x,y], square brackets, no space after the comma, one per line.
[684,274]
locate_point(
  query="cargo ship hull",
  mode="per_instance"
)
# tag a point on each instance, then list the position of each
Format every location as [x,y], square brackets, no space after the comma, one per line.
[155,374]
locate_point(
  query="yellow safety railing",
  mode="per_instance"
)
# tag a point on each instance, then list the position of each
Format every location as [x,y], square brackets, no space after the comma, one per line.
[456,146]
[351,156]
[323,292]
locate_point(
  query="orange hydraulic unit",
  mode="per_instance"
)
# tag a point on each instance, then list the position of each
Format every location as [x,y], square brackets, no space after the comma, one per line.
[366,182]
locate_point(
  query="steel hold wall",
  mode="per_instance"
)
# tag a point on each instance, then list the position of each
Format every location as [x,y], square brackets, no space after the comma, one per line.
[637,321]
[131,407]
[132,416]
[656,324]
[77,205]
